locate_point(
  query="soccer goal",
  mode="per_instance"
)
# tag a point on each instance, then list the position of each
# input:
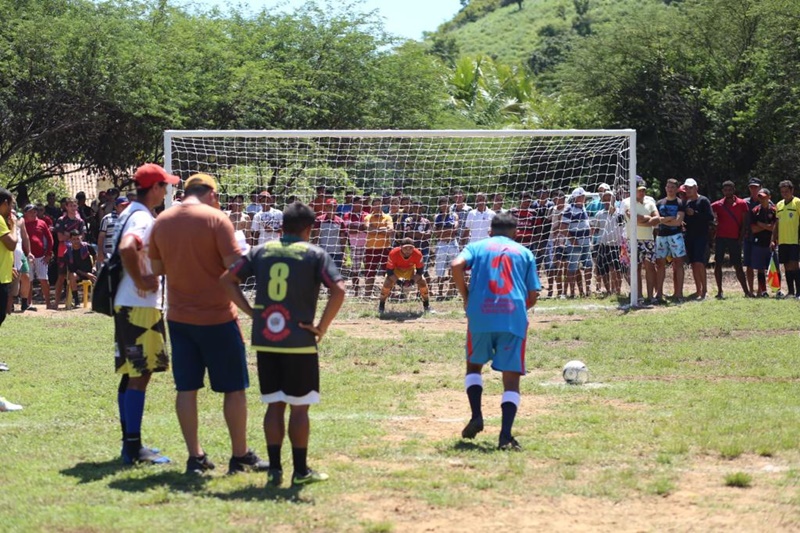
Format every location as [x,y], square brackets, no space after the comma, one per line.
[420,178]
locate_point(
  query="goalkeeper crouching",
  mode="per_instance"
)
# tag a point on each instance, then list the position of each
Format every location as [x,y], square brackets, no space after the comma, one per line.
[405,263]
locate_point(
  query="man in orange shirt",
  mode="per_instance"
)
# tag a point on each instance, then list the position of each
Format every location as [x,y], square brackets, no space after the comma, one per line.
[403,260]
[193,244]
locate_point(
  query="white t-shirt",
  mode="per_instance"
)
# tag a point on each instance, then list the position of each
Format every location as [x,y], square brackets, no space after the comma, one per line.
[268,225]
[137,220]
[648,208]
[609,230]
[479,223]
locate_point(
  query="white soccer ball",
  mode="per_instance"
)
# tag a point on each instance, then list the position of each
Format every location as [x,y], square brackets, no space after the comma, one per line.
[575,373]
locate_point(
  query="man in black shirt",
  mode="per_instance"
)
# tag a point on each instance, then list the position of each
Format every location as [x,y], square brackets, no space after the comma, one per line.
[288,275]
[698,221]
[762,223]
[754,186]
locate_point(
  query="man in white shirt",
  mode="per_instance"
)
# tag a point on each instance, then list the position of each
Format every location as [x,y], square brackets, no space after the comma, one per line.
[138,320]
[647,218]
[479,220]
[268,223]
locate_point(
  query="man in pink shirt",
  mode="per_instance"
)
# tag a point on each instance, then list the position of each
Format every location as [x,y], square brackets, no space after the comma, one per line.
[730,213]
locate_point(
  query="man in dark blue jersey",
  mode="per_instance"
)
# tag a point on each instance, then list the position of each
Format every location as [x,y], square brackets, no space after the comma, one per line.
[288,275]
[502,287]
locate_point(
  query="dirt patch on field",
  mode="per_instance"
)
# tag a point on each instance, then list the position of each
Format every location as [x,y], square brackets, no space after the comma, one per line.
[700,501]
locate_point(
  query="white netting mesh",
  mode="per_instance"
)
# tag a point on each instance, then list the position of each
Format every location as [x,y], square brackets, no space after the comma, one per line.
[406,168]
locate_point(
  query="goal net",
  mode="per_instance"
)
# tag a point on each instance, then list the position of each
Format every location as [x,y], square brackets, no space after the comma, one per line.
[439,188]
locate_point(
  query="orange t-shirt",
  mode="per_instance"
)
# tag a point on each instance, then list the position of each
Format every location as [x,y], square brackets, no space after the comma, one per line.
[191,241]
[398,262]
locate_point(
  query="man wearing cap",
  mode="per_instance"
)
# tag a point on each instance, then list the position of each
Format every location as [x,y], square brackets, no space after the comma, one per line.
[329,233]
[479,220]
[730,213]
[754,186]
[647,218]
[138,321]
[670,241]
[105,237]
[698,221]
[41,248]
[785,236]
[193,244]
[267,223]
[575,221]
[762,222]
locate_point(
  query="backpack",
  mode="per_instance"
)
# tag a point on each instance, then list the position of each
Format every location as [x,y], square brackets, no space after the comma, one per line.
[105,288]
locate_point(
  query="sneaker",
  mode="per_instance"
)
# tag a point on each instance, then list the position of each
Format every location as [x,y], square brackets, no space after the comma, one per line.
[381,308]
[311,476]
[764,294]
[145,456]
[199,465]
[509,445]
[428,311]
[719,296]
[779,295]
[4,367]
[249,462]
[126,458]
[5,405]
[274,477]
[472,428]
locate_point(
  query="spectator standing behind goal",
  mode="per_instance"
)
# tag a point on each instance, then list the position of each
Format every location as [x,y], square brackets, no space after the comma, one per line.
[405,263]
[445,231]
[267,223]
[502,287]
[646,217]
[288,275]
[575,221]
[41,248]
[762,223]
[418,228]
[753,186]
[730,213]
[357,239]
[193,243]
[669,241]
[785,237]
[556,247]
[478,223]
[329,233]
[380,231]
[607,227]
[460,209]
[698,222]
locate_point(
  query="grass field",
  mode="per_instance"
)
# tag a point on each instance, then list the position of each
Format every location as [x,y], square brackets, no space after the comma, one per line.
[690,422]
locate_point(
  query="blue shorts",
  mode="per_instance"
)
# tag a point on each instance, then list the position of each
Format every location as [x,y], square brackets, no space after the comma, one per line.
[219,348]
[579,255]
[670,245]
[759,257]
[505,350]
[747,253]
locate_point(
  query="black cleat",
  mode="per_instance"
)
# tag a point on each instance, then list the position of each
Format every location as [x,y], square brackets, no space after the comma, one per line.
[199,465]
[509,445]
[249,462]
[472,428]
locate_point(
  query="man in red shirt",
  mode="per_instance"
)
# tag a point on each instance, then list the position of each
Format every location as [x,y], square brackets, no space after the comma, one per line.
[403,260]
[730,213]
[41,249]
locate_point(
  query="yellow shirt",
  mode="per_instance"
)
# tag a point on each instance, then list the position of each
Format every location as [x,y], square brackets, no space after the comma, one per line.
[376,221]
[648,209]
[788,221]
[6,256]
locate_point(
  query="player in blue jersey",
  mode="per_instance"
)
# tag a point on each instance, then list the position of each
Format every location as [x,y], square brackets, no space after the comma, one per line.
[288,275]
[503,286]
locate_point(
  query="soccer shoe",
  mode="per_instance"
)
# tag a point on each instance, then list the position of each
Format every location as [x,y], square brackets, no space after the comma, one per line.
[309,477]
[382,308]
[249,462]
[145,456]
[126,459]
[5,405]
[472,428]
[274,477]
[4,367]
[765,294]
[199,465]
[509,445]
[780,295]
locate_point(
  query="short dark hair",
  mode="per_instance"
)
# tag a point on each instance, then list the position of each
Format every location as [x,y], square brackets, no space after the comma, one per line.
[5,196]
[196,190]
[672,181]
[728,183]
[504,224]
[442,200]
[786,183]
[297,217]
[75,233]
[407,241]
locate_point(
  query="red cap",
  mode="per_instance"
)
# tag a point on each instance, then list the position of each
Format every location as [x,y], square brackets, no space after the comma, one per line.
[682,188]
[331,201]
[149,174]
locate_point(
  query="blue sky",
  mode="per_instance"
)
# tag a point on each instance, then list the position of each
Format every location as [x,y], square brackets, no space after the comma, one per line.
[403,18]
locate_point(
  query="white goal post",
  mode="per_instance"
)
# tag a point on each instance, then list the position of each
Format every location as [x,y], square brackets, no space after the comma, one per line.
[409,170]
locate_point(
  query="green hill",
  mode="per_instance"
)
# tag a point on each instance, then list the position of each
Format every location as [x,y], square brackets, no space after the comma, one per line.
[513,35]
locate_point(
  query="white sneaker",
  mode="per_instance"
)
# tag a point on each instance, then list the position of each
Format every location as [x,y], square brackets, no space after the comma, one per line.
[5,405]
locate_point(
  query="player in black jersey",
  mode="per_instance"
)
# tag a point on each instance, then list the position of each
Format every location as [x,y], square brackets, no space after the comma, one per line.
[288,275]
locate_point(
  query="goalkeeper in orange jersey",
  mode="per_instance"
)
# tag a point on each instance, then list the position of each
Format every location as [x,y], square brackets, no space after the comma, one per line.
[405,263]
